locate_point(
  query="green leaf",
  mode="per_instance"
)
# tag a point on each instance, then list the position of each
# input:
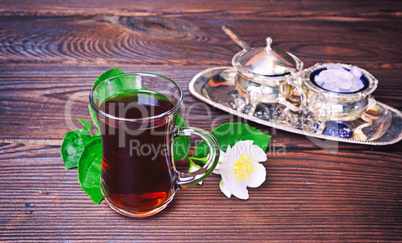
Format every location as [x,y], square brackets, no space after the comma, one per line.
[97,133]
[86,123]
[108,74]
[73,144]
[230,134]
[193,166]
[180,122]
[181,145]
[72,147]
[89,169]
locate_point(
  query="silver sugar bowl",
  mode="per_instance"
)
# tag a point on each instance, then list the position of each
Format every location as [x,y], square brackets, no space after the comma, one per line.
[265,75]
[338,105]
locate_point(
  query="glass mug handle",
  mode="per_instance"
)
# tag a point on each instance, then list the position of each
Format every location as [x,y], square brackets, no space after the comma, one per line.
[188,179]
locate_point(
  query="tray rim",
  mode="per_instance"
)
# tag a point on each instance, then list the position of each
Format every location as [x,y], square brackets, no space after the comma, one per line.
[279,126]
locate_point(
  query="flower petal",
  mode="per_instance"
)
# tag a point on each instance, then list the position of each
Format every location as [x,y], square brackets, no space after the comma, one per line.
[241,148]
[224,190]
[228,150]
[227,166]
[222,157]
[239,191]
[258,177]
[258,154]
[217,169]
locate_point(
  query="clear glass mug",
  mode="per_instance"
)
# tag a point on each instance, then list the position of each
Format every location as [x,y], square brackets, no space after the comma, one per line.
[137,115]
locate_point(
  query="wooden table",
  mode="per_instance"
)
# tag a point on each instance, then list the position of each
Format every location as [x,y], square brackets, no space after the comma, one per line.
[51,51]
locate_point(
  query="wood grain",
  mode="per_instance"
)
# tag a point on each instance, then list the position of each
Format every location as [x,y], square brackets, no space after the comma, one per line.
[307,196]
[51,51]
[163,40]
[241,9]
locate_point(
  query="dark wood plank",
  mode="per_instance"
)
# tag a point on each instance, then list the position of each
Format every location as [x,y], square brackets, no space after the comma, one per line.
[112,40]
[307,196]
[34,102]
[51,50]
[242,9]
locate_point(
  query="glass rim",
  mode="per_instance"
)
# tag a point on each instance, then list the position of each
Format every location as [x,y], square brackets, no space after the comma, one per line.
[166,113]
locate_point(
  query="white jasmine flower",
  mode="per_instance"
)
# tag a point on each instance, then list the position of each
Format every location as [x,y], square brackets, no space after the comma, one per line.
[240,168]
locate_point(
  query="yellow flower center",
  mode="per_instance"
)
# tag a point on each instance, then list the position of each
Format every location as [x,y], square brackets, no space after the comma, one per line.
[243,168]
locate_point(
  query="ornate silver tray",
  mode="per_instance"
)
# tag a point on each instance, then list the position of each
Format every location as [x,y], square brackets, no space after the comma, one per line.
[216,86]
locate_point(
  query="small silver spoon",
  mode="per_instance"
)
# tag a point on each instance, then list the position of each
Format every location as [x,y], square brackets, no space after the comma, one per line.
[235,37]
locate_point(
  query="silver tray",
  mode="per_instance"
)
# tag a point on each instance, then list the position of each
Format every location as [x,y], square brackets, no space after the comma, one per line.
[222,94]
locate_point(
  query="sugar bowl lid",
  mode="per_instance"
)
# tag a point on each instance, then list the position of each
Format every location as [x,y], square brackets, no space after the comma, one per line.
[266,61]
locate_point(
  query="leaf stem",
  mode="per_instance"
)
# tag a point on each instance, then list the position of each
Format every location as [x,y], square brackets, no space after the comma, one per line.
[205,159]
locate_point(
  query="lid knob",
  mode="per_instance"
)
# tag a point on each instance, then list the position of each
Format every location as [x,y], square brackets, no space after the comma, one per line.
[266,61]
[269,42]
